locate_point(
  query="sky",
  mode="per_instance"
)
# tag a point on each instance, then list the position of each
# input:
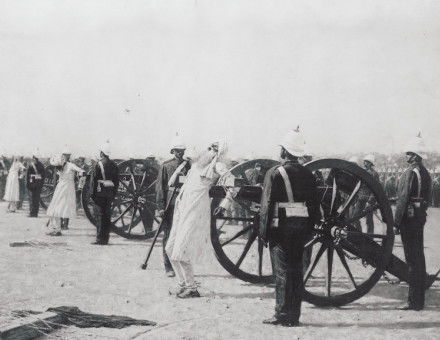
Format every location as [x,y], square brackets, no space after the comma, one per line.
[356,75]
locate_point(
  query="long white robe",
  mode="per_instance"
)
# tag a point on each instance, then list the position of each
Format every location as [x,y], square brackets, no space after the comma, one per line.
[12,189]
[63,203]
[189,237]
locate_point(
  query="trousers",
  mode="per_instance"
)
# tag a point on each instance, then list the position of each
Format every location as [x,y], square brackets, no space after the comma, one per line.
[103,209]
[185,274]
[167,225]
[34,201]
[359,208]
[411,232]
[286,252]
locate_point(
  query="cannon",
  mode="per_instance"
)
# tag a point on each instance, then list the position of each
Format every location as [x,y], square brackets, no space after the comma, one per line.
[343,259]
[133,209]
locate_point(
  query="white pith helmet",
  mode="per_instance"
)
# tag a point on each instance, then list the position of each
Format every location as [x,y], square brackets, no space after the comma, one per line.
[36,153]
[370,158]
[66,150]
[105,148]
[177,143]
[416,145]
[294,143]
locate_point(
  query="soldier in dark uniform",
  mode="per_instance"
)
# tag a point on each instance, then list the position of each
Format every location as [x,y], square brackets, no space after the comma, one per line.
[410,217]
[289,209]
[104,187]
[436,191]
[34,181]
[170,171]
[22,182]
[390,186]
[365,196]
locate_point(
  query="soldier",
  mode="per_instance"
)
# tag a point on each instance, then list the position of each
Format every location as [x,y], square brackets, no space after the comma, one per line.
[167,182]
[410,217]
[390,186]
[22,182]
[34,181]
[104,184]
[436,191]
[365,196]
[289,209]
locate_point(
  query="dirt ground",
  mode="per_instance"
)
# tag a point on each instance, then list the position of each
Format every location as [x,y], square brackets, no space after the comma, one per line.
[68,270]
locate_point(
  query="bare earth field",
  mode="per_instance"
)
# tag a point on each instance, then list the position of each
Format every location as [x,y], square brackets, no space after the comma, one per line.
[108,280]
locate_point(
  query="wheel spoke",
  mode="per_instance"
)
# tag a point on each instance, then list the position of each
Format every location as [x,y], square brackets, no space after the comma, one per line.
[350,199]
[149,187]
[122,214]
[312,242]
[237,235]
[341,255]
[371,236]
[334,190]
[221,227]
[131,221]
[328,281]
[364,213]
[315,261]
[246,249]
[260,257]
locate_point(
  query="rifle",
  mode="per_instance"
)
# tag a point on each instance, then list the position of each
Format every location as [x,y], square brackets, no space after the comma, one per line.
[159,229]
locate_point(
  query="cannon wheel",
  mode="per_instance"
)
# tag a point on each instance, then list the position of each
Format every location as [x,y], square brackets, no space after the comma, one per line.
[134,202]
[354,259]
[251,263]
[50,182]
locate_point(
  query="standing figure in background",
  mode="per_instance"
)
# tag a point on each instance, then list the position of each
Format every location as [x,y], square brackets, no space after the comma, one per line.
[390,186]
[63,203]
[410,217]
[22,183]
[189,237]
[34,181]
[12,189]
[289,210]
[365,197]
[67,154]
[167,182]
[436,191]
[104,187]
[4,169]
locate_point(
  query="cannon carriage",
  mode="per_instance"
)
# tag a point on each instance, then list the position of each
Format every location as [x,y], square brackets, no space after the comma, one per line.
[343,259]
[133,209]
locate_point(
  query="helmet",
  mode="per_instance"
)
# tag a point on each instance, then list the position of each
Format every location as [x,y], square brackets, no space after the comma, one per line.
[36,153]
[294,143]
[370,158]
[105,148]
[177,143]
[66,150]
[416,145]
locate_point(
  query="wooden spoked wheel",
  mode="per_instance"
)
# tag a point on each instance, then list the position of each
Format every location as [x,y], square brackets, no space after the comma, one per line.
[134,203]
[48,189]
[234,235]
[348,251]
